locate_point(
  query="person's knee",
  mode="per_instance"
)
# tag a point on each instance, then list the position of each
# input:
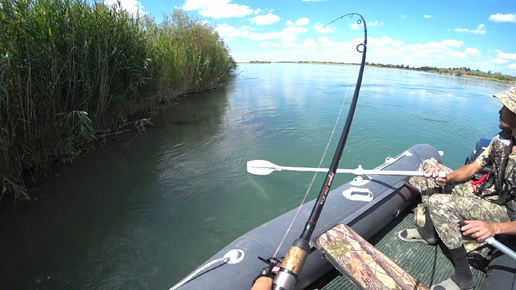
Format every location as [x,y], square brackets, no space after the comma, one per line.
[428,163]
[439,203]
[435,201]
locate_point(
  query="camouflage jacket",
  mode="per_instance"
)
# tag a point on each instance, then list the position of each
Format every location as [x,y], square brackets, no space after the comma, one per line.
[500,186]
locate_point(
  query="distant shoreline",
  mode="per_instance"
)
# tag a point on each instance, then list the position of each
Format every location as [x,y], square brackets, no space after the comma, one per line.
[460,72]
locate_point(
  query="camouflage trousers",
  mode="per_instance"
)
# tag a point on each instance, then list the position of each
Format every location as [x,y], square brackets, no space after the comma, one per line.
[450,204]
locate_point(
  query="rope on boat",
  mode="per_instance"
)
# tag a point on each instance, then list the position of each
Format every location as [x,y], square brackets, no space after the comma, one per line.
[190,277]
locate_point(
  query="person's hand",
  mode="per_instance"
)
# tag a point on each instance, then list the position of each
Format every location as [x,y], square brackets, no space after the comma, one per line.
[263,283]
[480,230]
[434,172]
[266,276]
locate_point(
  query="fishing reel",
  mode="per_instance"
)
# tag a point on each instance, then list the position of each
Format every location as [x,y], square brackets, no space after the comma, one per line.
[273,267]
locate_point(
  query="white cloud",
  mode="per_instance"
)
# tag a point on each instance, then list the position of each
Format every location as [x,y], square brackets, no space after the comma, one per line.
[384,41]
[473,52]
[511,56]
[450,42]
[385,53]
[428,16]
[132,6]
[196,4]
[481,29]
[323,39]
[500,61]
[265,19]
[287,43]
[265,36]
[296,29]
[271,44]
[309,44]
[286,33]
[503,18]
[374,24]
[441,54]
[299,22]
[386,50]
[356,26]
[292,32]
[319,28]
[429,51]
[334,44]
[459,54]
[507,59]
[302,21]
[228,32]
[288,36]
[217,8]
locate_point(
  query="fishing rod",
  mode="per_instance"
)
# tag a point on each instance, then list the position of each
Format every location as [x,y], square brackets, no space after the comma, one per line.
[263,167]
[293,263]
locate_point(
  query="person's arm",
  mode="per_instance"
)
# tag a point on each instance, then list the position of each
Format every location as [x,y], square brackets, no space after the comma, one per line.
[467,171]
[482,230]
[462,174]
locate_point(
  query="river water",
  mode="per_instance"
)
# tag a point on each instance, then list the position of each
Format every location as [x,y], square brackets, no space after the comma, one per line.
[142,213]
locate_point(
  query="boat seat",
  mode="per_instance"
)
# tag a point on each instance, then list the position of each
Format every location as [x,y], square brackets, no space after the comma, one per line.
[362,263]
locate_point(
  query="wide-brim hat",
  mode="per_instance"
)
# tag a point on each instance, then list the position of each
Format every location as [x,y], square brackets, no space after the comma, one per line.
[508,98]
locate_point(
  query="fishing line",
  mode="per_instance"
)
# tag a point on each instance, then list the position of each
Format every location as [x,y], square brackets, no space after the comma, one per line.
[319,166]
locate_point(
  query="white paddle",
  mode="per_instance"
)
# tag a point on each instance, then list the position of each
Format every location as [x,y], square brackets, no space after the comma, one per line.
[263,167]
[495,243]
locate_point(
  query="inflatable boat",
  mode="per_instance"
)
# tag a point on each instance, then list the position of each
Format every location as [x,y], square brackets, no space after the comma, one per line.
[366,204]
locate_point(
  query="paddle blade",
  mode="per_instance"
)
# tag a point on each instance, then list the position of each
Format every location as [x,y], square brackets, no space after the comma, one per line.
[261,167]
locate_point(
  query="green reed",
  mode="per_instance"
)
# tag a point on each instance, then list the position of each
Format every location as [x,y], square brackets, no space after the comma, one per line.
[72,71]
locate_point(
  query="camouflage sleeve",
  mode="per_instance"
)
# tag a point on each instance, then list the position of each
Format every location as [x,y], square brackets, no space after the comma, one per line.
[485,158]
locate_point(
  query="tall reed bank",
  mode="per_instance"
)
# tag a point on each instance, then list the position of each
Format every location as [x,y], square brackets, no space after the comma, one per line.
[73,71]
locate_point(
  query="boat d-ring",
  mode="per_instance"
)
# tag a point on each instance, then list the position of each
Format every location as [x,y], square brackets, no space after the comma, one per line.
[358,194]
[235,256]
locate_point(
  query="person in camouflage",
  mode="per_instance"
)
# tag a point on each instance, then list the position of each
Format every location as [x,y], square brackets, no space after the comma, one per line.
[456,208]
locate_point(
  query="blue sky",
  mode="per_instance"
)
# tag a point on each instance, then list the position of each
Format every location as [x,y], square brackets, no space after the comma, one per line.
[439,33]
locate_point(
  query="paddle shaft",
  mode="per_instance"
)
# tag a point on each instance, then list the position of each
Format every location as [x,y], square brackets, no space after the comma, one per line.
[506,250]
[296,257]
[262,167]
[360,171]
